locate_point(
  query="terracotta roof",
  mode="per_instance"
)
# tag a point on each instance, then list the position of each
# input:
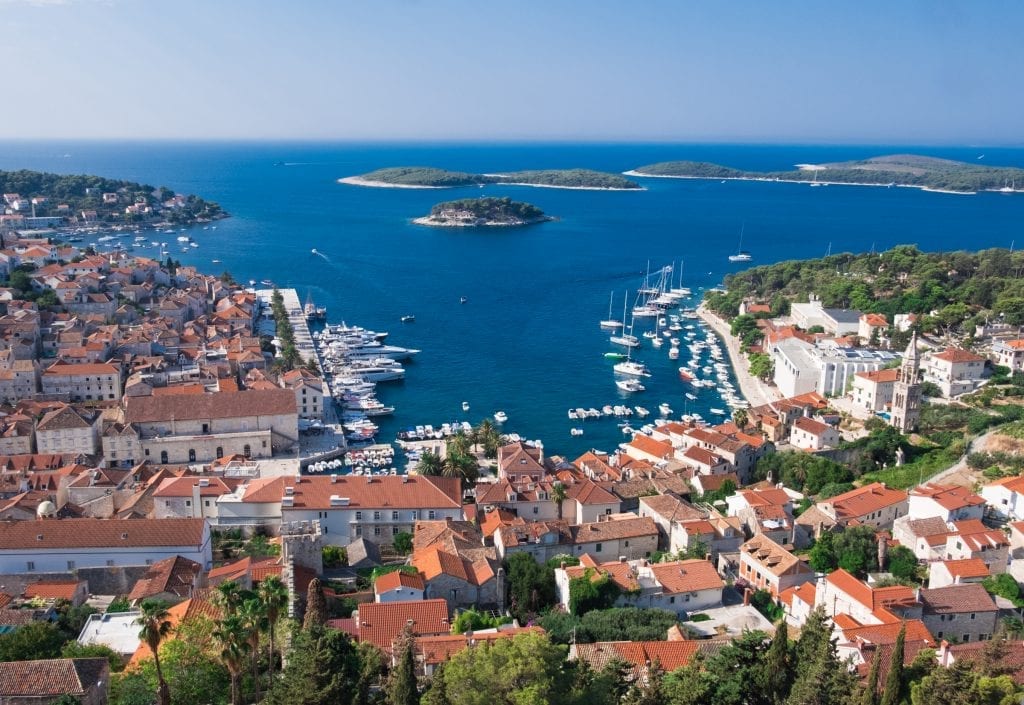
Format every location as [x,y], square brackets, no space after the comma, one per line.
[100,533]
[182,487]
[276,402]
[887,633]
[933,529]
[806,423]
[658,449]
[51,678]
[614,529]
[806,592]
[967,568]
[587,492]
[622,574]
[766,497]
[1011,659]
[880,376]
[63,419]
[866,500]
[83,368]
[520,458]
[966,597]
[496,518]
[398,579]
[434,561]
[773,557]
[380,623]
[702,456]
[875,319]
[390,492]
[948,496]
[438,649]
[53,589]
[957,355]
[175,575]
[671,507]
[640,654]
[687,576]
[979,537]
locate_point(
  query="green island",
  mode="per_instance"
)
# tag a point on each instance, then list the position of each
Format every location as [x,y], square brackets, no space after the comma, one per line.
[911,170]
[483,212]
[429,177]
[113,201]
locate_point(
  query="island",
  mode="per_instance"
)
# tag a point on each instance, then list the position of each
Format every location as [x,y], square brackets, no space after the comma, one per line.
[36,199]
[430,177]
[907,170]
[483,212]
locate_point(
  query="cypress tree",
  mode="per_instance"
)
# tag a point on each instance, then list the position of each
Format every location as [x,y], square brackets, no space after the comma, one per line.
[777,667]
[401,687]
[316,605]
[894,681]
[870,696]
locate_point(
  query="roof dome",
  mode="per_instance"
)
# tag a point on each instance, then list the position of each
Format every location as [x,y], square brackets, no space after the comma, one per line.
[46,509]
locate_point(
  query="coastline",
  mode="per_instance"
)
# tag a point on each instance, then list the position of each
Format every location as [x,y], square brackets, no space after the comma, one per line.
[633,172]
[567,188]
[428,221]
[756,392]
[360,181]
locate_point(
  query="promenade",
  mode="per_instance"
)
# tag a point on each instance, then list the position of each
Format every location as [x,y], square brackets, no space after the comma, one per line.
[754,390]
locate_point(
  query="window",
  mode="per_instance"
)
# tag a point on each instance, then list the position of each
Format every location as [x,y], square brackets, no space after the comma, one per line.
[163,457]
[972,615]
[359,531]
[207,503]
[376,531]
[536,510]
[376,516]
[220,451]
[672,600]
[394,530]
[247,451]
[627,544]
[430,514]
[149,561]
[30,565]
[264,444]
[147,452]
[608,511]
[191,455]
[359,516]
[188,502]
[71,565]
[206,428]
[967,638]
[394,516]
[597,548]
[939,635]
[113,455]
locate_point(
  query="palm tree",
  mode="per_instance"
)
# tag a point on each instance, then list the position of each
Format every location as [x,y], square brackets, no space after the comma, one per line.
[229,596]
[430,464]
[231,636]
[274,595]
[559,495]
[740,418]
[489,438]
[254,622]
[459,444]
[464,466]
[155,627]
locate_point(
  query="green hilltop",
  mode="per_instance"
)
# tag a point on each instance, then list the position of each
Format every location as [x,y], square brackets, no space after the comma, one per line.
[556,178]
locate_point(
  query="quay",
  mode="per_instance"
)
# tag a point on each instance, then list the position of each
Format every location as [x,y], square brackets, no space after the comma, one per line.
[756,392]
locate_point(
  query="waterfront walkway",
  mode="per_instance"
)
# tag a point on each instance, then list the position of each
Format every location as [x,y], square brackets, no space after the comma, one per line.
[754,390]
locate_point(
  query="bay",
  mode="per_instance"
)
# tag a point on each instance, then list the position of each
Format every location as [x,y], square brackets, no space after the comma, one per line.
[527,340]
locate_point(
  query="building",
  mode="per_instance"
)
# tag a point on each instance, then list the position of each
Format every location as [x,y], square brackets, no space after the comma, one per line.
[834,321]
[398,586]
[666,510]
[625,535]
[68,430]
[948,502]
[1009,353]
[1005,497]
[872,326]
[463,580]
[171,580]
[925,537]
[972,539]
[82,381]
[380,623]
[61,545]
[963,612]
[954,370]
[190,428]
[87,680]
[765,565]
[873,391]
[826,368]
[309,393]
[765,511]
[541,539]
[946,573]
[350,507]
[811,434]
[873,504]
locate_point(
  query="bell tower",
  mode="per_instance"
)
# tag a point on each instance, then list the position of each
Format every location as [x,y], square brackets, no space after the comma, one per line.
[906,397]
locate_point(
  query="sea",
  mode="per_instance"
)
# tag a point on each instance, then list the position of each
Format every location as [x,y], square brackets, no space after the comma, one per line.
[527,340]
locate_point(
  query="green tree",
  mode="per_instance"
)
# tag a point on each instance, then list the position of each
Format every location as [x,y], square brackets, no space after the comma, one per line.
[558,496]
[822,556]
[761,366]
[522,670]
[592,591]
[902,562]
[316,605]
[402,542]
[430,464]
[371,669]
[155,628]
[323,669]
[119,604]
[775,676]
[35,640]
[231,635]
[73,649]
[402,688]
[254,624]
[274,595]
[531,586]
[956,685]
[229,596]
[870,694]
[894,680]
[822,679]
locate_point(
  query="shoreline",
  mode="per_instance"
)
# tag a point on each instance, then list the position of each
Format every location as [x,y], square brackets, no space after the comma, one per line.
[360,181]
[567,188]
[430,222]
[929,189]
[756,392]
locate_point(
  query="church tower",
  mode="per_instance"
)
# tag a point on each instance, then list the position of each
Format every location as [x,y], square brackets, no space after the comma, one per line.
[906,397]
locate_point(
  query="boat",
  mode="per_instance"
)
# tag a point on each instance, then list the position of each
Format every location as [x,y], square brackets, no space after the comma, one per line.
[629,367]
[463,300]
[691,397]
[685,375]
[673,353]
[408,319]
[576,431]
[718,412]
[465,406]
[665,409]
[629,385]
[216,261]
[741,255]
[642,412]
[500,416]
[314,251]
[184,238]
[657,342]
[610,322]
[312,311]
[615,355]
[626,339]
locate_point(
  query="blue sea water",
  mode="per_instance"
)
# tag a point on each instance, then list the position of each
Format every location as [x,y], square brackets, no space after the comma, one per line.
[527,341]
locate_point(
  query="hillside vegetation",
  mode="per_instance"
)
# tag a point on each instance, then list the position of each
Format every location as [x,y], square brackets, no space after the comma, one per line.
[491,210]
[901,169]
[562,178]
[952,290]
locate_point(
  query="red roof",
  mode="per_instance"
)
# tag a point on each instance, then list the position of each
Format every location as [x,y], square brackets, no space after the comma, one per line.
[380,623]
[645,444]
[398,579]
[101,533]
[957,355]
[866,500]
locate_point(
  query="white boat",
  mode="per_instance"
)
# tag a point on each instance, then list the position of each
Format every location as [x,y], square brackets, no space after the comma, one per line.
[573,415]
[718,412]
[657,342]
[629,367]
[576,431]
[465,406]
[629,385]
[642,412]
[184,238]
[500,416]
[691,397]
[673,353]
[665,409]
[610,322]
[740,255]
[650,334]
[626,339]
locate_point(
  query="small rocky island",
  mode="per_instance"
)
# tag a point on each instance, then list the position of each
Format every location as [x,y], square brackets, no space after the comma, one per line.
[483,212]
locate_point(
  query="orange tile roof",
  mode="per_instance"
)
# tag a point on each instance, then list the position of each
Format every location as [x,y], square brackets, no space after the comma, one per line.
[948,496]
[957,355]
[393,492]
[381,623]
[101,533]
[670,655]
[880,376]
[773,557]
[658,449]
[398,579]
[887,633]
[53,589]
[866,500]
[687,576]
[806,592]
[438,649]
[805,423]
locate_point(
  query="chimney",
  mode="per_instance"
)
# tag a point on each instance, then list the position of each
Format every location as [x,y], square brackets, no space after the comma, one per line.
[746,596]
[562,565]
[956,579]
[622,559]
[334,479]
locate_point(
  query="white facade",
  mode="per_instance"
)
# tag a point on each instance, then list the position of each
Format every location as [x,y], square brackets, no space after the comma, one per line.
[1009,353]
[85,382]
[31,559]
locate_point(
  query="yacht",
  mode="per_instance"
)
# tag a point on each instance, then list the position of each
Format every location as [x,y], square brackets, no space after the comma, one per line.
[718,412]
[409,319]
[629,385]
[500,416]
[741,255]
[691,397]
[665,409]
[628,340]
[611,322]
[465,406]
[630,367]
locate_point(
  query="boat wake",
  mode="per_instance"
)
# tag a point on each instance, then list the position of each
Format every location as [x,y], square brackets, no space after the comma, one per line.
[318,253]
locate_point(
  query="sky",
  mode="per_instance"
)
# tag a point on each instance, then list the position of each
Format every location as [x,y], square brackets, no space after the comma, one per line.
[922,72]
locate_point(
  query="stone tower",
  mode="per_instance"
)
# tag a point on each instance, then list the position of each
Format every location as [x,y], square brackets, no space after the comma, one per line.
[906,397]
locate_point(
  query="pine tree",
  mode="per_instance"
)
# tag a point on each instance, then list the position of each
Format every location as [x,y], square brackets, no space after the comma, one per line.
[894,681]
[776,672]
[316,605]
[870,696]
[322,669]
[401,686]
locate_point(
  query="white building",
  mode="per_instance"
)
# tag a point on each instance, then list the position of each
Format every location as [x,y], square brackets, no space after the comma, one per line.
[1006,497]
[872,391]
[398,586]
[826,368]
[948,502]
[82,381]
[1009,353]
[61,545]
[811,434]
[954,371]
[834,321]
[68,430]
[309,393]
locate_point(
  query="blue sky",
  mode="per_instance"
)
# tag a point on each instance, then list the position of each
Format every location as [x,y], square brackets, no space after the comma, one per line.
[868,72]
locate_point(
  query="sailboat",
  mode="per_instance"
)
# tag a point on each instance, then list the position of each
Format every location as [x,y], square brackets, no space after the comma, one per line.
[740,255]
[627,339]
[312,311]
[681,291]
[610,322]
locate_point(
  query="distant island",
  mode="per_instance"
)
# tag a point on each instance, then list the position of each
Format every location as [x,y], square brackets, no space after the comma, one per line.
[483,212]
[929,173]
[429,177]
[33,199]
